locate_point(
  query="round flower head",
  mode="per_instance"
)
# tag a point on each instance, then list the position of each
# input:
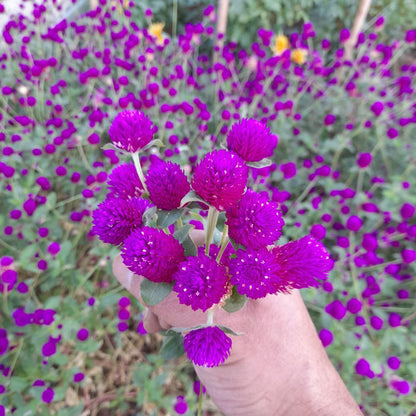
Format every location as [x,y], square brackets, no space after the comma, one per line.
[123,182]
[302,262]
[220,178]
[115,219]
[153,254]
[256,273]
[254,221]
[251,140]
[131,130]
[167,184]
[207,347]
[200,282]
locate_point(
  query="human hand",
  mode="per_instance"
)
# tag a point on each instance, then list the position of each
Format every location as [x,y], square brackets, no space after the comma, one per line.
[277,367]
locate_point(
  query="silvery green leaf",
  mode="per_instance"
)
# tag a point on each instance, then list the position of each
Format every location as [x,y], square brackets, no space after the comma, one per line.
[166,218]
[235,302]
[155,142]
[191,196]
[261,164]
[153,293]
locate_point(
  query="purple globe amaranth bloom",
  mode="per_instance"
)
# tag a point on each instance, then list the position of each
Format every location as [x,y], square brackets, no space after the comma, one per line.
[407,210]
[220,179]
[131,130]
[364,160]
[251,140]
[115,219]
[153,254]
[200,282]
[362,368]
[377,108]
[256,273]
[303,262]
[393,362]
[123,182]
[207,347]
[326,337]
[336,309]
[254,221]
[167,184]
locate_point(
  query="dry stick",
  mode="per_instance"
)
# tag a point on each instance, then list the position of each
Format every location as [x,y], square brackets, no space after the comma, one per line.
[359,20]
[221,27]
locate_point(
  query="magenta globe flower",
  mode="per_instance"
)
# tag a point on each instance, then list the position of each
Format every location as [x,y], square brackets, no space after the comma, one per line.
[153,254]
[115,219]
[254,221]
[220,178]
[303,262]
[256,273]
[251,140]
[207,347]
[167,184]
[131,130]
[200,282]
[123,182]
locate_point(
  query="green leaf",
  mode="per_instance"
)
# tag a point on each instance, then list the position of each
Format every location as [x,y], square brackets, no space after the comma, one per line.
[189,247]
[166,218]
[261,164]
[155,142]
[183,232]
[72,411]
[149,217]
[172,346]
[18,384]
[229,330]
[235,302]
[153,293]
[90,345]
[191,196]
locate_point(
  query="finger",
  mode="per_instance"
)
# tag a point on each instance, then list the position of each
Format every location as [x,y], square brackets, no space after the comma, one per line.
[128,279]
[151,322]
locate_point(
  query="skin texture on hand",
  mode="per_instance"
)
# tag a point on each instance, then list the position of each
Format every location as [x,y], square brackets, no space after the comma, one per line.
[277,367]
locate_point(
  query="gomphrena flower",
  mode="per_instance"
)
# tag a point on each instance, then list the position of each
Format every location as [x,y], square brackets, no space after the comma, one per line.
[167,184]
[131,130]
[153,254]
[207,347]
[303,262]
[200,282]
[254,221]
[220,178]
[251,140]
[115,219]
[123,182]
[256,273]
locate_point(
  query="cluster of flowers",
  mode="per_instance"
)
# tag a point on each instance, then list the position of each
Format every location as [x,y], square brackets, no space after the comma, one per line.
[244,258]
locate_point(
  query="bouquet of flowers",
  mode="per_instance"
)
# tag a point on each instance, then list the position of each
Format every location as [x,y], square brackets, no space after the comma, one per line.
[151,214]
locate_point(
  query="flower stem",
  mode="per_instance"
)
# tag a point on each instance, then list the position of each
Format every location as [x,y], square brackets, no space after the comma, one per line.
[224,243]
[200,399]
[139,170]
[212,223]
[210,318]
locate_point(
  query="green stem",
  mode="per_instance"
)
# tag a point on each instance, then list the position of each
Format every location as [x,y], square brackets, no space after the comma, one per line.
[200,399]
[304,193]
[179,222]
[212,223]
[174,18]
[136,160]
[224,243]
[210,318]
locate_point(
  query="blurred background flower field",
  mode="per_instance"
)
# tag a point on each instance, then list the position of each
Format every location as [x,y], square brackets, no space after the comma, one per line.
[341,99]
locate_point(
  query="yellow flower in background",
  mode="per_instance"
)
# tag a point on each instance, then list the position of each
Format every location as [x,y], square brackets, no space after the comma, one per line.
[298,56]
[155,29]
[281,43]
